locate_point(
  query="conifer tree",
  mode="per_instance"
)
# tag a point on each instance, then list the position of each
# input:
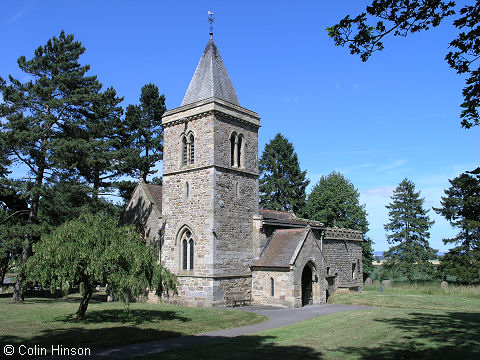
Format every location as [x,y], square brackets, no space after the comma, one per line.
[56,95]
[335,202]
[93,149]
[408,231]
[144,124]
[461,207]
[282,182]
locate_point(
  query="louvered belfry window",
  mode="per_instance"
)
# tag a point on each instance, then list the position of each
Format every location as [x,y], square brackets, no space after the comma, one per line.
[184,151]
[192,149]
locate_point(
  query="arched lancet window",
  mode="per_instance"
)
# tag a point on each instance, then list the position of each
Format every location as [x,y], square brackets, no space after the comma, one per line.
[190,243]
[192,149]
[187,189]
[239,151]
[184,252]
[233,140]
[188,251]
[272,287]
[184,150]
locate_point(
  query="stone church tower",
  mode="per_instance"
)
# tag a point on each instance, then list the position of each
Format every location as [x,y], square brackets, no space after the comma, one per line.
[206,216]
[210,187]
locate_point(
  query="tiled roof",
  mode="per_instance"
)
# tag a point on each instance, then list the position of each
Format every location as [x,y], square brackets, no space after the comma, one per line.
[210,79]
[156,193]
[281,248]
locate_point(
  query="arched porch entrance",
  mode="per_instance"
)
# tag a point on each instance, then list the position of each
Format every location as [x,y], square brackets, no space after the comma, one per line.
[307,284]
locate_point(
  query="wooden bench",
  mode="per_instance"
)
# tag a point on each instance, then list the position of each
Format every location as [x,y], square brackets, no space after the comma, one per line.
[236,299]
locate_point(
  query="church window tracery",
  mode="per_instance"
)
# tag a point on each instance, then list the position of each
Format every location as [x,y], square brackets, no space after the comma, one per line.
[188,251]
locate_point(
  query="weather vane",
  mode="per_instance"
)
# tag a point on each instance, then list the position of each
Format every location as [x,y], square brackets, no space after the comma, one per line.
[211,19]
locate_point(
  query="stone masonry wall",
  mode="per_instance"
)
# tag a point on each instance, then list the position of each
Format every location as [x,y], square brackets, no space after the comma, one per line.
[284,289]
[224,127]
[340,255]
[311,254]
[288,282]
[140,211]
[203,130]
[194,211]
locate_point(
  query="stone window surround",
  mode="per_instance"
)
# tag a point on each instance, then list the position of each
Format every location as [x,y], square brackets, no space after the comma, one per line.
[188,236]
[187,149]
[237,150]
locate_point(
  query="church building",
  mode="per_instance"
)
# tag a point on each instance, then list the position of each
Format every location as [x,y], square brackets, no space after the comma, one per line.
[206,216]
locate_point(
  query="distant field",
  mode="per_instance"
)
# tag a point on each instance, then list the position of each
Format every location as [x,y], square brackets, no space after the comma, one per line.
[407,325]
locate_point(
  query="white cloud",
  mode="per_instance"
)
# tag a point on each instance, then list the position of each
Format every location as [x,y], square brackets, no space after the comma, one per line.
[18,14]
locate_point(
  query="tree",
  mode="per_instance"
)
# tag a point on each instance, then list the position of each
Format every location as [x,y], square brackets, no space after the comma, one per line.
[38,111]
[92,249]
[94,150]
[335,202]
[13,223]
[461,207]
[282,182]
[408,227]
[402,17]
[145,128]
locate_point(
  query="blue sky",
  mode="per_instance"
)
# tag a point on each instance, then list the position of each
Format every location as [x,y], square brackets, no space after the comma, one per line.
[395,116]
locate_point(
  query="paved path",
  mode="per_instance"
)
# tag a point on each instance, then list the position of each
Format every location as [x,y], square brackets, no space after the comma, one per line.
[278,317]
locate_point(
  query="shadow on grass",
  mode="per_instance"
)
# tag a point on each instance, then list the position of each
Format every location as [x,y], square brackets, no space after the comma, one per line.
[94,339]
[219,348]
[132,316]
[454,335]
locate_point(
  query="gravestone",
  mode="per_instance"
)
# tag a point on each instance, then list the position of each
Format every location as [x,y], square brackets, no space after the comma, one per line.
[444,285]
[376,283]
[386,284]
[368,282]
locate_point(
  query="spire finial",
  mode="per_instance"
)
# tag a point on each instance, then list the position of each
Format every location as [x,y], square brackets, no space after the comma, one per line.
[211,19]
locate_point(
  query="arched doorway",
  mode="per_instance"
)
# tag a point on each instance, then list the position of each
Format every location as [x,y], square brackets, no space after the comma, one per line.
[307,285]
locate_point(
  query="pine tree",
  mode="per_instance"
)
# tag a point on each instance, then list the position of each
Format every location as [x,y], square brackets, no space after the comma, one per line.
[93,149]
[408,227]
[57,94]
[461,207]
[335,202]
[282,182]
[144,122]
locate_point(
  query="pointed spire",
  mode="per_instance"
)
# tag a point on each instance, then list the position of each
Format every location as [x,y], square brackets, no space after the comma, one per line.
[211,78]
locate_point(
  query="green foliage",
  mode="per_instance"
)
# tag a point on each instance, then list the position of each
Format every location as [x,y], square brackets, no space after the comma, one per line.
[92,148]
[408,228]
[145,129]
[94,250]
[335,202]
[461,207]
[282,182]
[39,113]
[400,18]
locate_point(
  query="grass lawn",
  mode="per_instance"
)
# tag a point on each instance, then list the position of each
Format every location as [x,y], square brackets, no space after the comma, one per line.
[45,321]
[408,325]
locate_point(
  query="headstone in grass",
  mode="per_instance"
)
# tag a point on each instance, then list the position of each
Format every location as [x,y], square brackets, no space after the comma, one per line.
[444,285]
[368,282]
[386,284]
[376,283]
